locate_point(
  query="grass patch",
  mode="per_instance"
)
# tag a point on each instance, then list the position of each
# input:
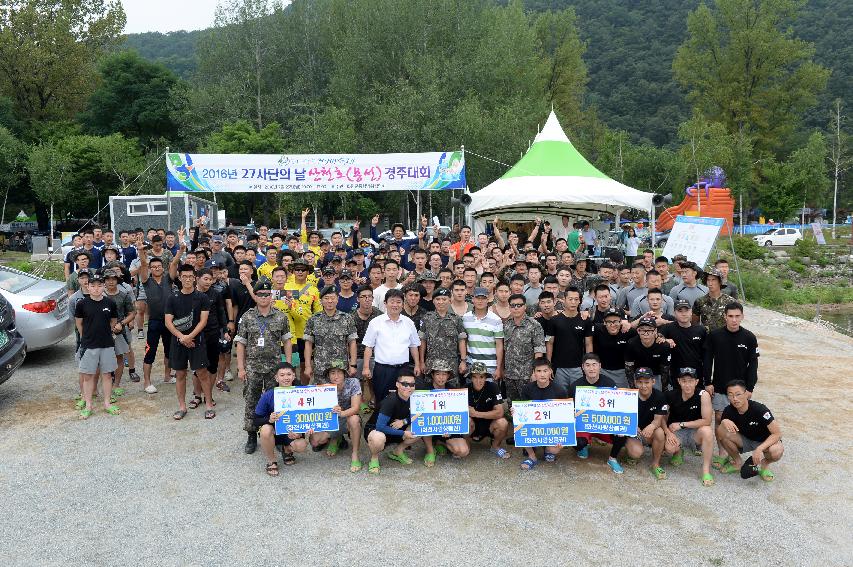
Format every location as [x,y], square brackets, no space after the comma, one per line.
[772,293]
[48,270]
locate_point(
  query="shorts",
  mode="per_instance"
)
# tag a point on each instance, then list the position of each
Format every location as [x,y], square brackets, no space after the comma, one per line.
[481,427]
[122,347]
[642,440]
[618,376]
[93,358]
[283,440]
[212,348]
[565,376]
[749,445]
[685,437]
[140,293]
[300,348]
[342,428]
[389,440]
[181,356]
[720,401]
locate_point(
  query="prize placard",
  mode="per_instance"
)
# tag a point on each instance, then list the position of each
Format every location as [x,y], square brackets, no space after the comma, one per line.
[306,408]
[436,412]
[544,423]
[606,410]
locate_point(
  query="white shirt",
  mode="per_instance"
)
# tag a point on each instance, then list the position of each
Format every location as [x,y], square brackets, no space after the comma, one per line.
[391,340]
[379,296]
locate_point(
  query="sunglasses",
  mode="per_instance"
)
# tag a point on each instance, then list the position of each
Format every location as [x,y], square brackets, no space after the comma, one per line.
[407,384]
[516,305]
[262,294]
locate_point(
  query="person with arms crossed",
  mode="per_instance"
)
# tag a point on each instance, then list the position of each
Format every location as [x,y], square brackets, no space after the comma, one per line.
[329,335]
[443,336]
[524,341]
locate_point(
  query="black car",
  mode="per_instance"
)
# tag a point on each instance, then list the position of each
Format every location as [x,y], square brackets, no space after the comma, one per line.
[13,349]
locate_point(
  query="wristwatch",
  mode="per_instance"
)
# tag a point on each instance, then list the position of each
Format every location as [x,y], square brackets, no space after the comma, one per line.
[682,425]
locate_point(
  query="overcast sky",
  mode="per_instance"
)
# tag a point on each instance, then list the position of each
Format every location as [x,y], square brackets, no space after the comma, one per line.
[168,15]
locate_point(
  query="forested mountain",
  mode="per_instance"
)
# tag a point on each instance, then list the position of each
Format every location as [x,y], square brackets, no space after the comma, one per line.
[629,50]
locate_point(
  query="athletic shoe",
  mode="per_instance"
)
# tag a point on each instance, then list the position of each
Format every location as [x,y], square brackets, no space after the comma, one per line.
[170,380]
[134,377]
[141,335]
[228,376]
[150,389]
[615,466]
[584,453]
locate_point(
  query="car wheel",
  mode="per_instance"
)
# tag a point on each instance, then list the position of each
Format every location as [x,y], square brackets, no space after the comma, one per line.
[768,243]
[797,241]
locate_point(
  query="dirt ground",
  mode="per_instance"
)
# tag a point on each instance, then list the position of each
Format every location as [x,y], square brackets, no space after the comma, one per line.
[142,488]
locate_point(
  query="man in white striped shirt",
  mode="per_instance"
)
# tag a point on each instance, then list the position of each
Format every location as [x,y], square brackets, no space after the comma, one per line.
[485,334]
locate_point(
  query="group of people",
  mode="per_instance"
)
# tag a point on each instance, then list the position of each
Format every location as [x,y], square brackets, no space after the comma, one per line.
[506,317]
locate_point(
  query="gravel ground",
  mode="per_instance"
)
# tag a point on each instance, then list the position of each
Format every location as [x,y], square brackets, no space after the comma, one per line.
[142,488]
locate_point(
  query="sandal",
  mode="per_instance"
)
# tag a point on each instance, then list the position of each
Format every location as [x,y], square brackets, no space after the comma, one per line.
[550,457]
[364,409]
[332,449]
[373,466]
[180,414]
[677,459]
[528,464]
[118,391]
[195,402]
[707,479]
[631,461]
[85,413]
[501,453]
[401,458]
[658,473]
[113,410]
[766,476]
[440,450]
[729,468]
[429,460]
[719,462]
[355,465]
[81,404]
[209,414]
[289,459]
[272,468]
[223,386]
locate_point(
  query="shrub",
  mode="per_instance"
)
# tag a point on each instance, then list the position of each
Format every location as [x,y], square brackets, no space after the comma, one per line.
[747,248]
[762,289]
[797,266]
[787,284]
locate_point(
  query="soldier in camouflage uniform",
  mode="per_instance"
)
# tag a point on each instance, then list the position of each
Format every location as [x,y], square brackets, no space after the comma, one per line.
[329,335]
[443,336]
[524,340]
[263,334]
[710,309]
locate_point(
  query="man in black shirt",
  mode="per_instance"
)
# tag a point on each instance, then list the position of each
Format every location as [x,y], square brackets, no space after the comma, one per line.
[593,378]
[213,331]
[689,422]
[645,350]
[486,410]
[541,387]
[241,297]
[686,340]
[187,312]
[748,426]
[157,286]
[609,341]
[96,318]
[651,422]
[567,337]
[391,422]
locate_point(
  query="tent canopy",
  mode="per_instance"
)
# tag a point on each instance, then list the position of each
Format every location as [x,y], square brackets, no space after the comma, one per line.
[553,177]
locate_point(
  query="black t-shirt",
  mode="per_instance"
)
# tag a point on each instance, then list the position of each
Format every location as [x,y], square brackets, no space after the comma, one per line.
[486,399]
[96,316]
[602,382]
[427,304]
[733,356]
[568,335]
[394,407]
[689,345]
[611,348]
[654,357]
[240,297]
[156,295]
[648,409]
[186,308]
[532,391]
[754,421]
[684,410]
[218,318]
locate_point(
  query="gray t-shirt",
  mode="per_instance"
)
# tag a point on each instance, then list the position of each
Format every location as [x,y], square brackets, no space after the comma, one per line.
[641,305]
[691,294]
[531,294]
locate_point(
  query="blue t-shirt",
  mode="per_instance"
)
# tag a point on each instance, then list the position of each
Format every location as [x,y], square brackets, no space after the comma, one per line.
[266,404]
[347,304]
[128,255]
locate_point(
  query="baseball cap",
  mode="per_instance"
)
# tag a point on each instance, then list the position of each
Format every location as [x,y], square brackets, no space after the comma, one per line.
[345,274]
[480,368]
[521,259]
[613,312]
[340,248]
[328,270]
[681,304]
[481,292]
[299,264]
[441,292]
[327,290]
[96,277]
[84,272]
[688,371]
[713,272]
[112,274]
[358,252]
[263,285]
[218,238]
[647,322]
[644,372]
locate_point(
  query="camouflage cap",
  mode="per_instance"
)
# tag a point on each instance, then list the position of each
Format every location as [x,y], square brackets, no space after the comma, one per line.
[336,364]
[441,366]
[428,276]
[713,272]
[480,368]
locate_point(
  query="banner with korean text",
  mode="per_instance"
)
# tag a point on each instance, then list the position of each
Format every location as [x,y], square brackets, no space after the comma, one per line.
[305,408]
[544,423]
[436,412]
[606,410]
[272,173]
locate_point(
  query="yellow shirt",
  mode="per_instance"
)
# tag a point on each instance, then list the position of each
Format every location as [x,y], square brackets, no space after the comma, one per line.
[301,308]
[315,249]
[265,270]
[312,279]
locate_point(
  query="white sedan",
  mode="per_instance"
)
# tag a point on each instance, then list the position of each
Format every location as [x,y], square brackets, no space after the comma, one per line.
[779,237]
[41,307]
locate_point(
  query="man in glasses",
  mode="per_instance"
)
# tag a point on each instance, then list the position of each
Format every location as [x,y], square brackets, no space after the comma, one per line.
[646,351]
[391,423]
[524,341]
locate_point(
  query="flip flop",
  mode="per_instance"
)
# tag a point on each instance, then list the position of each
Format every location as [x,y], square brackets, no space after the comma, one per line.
[364,409]
[402,458]
[707,479]
[333,448]
[81,404]
[658,473]
[550,457]
[766,476]
[355,466]
[113,410]
[85,413]
[501,453]
[719,462]
[209,414]
[440,450]
[528,464]
[272,468]
[195,402]
[180,414]
[677,459]
[118,391]
[429,460]
[728,468]
[373,466]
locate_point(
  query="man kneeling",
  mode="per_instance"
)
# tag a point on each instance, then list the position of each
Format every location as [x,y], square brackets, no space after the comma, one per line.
[746,426]
[486,410]
[349,420]
[542,387]
[651,422]
[265,418]
[689,423]
[441,444]
[391,423]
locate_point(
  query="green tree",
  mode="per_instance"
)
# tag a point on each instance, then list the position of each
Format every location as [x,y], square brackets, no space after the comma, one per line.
[132,98]
[790,184]
[744,68]
[49,170]
[13,158]
[48,52]
[704,144]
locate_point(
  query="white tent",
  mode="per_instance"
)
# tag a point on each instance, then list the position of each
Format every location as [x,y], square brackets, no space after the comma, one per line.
[550,180]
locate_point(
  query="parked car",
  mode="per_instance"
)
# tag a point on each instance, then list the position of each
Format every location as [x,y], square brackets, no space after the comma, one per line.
[40,305]
[13,349]
[779,237]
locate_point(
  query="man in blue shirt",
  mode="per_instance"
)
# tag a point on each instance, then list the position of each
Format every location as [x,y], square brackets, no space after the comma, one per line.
[265,418]
[397,231]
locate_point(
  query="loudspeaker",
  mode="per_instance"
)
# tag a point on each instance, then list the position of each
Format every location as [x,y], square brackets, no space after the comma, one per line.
[659,200]
[464,200]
